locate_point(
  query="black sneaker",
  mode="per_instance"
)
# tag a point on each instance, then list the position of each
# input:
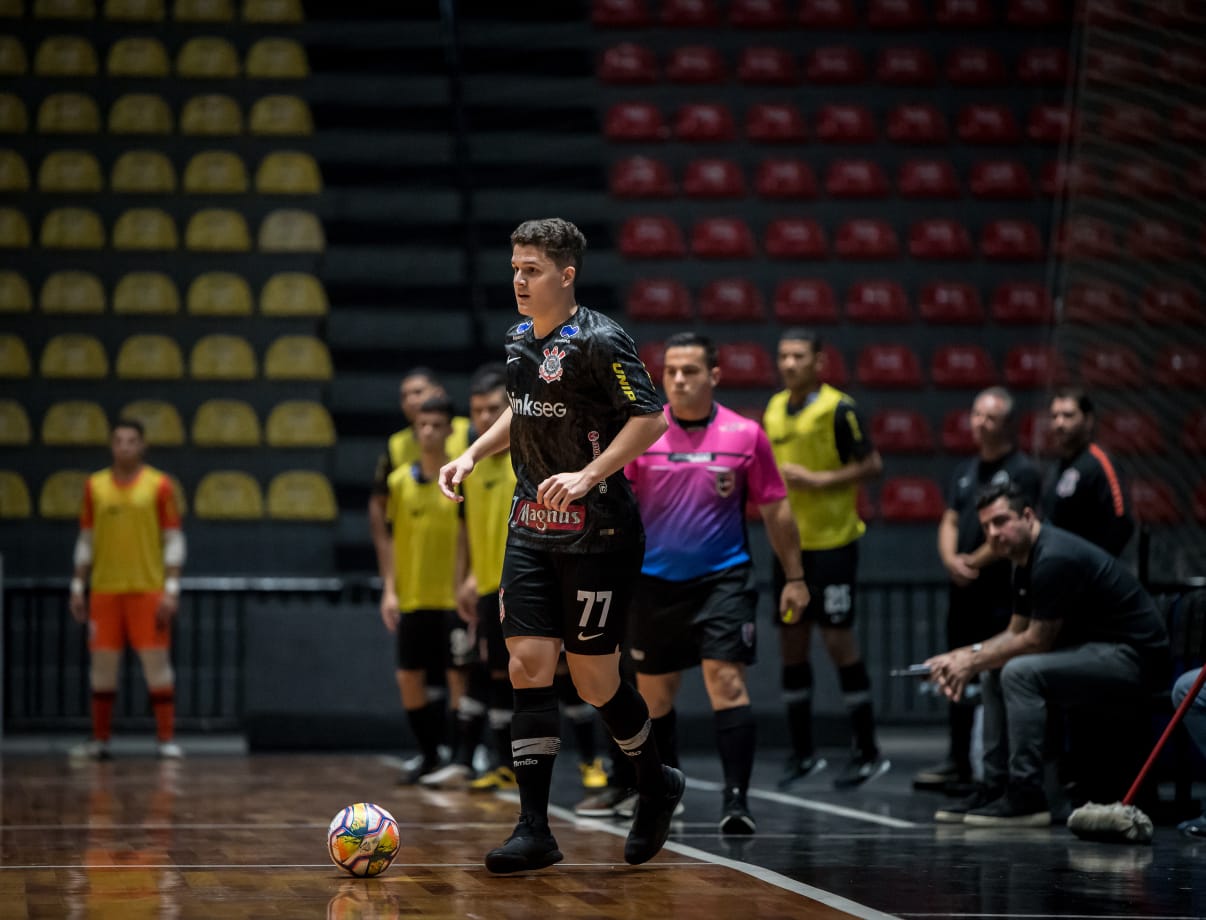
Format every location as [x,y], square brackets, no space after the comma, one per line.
[605,803]
[1016,808]
[530,846]
[1194,829]
[651,822]
[737,818]
[800,768]
[862,768]
[957,811]
[940,775]
[416,769]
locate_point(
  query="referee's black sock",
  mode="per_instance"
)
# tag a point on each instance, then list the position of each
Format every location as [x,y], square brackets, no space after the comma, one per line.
[736,737]
[627,718]
[856,692]
[535,741]
[665,730]
[796,681]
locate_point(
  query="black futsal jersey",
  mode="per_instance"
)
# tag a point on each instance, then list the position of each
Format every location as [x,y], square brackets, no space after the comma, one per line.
[571,393]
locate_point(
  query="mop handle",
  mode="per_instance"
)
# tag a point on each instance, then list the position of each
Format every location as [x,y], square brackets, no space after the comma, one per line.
[1172,724]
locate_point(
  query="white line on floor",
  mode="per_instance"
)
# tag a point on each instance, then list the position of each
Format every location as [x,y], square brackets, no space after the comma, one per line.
[796,801]
[1064,916]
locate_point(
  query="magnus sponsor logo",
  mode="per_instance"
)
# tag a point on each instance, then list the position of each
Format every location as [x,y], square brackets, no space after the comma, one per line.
[625,387]
[533,516]
[526,405]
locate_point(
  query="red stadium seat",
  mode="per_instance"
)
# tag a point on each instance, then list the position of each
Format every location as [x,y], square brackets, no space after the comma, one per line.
[704,122]
[1156,241]
[1086,238]
[845,124]
[866,238]
[689,13]
[696,64]
[896,14]
[1000,179]
[1021,303]
[832,369]
[653,356]
[877,301]
[1036,14]
[962,14]
[775,123]
[1129,124]
[659,300]
[975,66]
[927,179]
[901,431]
[722,238]
[987,124]
[1188,123]
[1034,432]
[917,123]
[950,302]
[634,121]
[1153,502]
[1183,66]
[745,364]
[731,300]
[1199,502]
[1034,366]
[758,14]
[911,500]
[1172,303]
[796,238]
[1075,178]
[1096,303]
[785,179]
[906,66]
[956,367]
[940,238]
[1181,367]
[767,67]
[1049,124]
[626,14]
[856,179]
[651,238]
[713,179]
[1110,367]
[828,14]
[1043,66]
[628,63]
[1144,179]
[889,367]
[957,433]
[1193,432]
[1114,64]
[1011,241]
[836,64]
[805,301]
[641,177]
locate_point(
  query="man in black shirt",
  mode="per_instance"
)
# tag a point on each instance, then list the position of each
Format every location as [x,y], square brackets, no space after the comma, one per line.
[582,406]
[1083,631]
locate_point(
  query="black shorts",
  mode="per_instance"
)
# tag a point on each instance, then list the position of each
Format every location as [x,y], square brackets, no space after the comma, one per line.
[830,575]
[432,640]
[580,598]
[492,647]
[675,624]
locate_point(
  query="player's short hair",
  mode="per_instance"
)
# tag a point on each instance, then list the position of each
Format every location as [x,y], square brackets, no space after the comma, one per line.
[440,404]
[1083,401]
[802,334]
[557,238]
[1007,490]
[998,392]
[425,373]
[487,379]
[694,340]
[133,424]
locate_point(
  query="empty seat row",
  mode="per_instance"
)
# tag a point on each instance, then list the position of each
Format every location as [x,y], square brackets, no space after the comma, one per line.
[216,423]
[211,172]
[252,11]
[144,356]
[210,114]
[208,230]
[285,294]
[293,495]
[144,57]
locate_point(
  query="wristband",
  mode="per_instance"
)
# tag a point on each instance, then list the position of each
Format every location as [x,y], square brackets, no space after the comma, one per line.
[77,586]
[171,586]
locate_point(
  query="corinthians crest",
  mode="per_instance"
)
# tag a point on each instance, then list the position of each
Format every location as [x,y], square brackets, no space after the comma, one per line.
[550,367]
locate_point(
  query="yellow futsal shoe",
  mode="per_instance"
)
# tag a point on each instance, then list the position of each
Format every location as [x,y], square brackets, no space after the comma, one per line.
[500,779]
[593,774]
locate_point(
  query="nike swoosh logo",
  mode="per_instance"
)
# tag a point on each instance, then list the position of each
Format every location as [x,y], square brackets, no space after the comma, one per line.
[584,638]
[514,359]
[524,747]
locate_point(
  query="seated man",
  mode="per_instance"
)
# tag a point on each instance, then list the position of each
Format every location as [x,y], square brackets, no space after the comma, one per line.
[1083,631]
[1195,724]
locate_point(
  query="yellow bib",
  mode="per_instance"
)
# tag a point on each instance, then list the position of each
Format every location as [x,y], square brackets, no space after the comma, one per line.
[127,521]
[404,449]
[488,492]
[425,527]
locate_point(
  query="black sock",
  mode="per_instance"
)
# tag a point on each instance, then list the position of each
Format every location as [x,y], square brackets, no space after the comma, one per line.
[535,742]
[856,691]
[581,716]
[796,680]
[502,701]
[437,696]
[736,736]
[425,722]
[665,730]
[627,718]
[962,719]
[623,774]
[471,721]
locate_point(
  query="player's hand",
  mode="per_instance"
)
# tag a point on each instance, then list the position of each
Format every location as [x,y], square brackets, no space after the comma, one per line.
[389,609]
[453,473]
[951,671]
[801,477]
[962,572]
[169,604]
[78,605]
[557,492]
[792,602]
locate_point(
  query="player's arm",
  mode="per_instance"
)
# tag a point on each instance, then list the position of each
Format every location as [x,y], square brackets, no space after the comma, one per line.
[1024,636]
[784,538]
[175,549]
[494,441]
[378,518]
[861,462]
[638,435]
[962,567]
[385,569]
[82,559]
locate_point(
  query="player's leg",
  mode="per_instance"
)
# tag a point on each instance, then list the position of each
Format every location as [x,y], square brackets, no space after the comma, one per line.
[795,679]
[500,696]
[421,641]
[151,639]
[468,685]
[106,639]
[582,718]
[663,645]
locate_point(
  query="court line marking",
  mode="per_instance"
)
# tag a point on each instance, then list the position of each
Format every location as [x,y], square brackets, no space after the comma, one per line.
[1065,916]
[796,801]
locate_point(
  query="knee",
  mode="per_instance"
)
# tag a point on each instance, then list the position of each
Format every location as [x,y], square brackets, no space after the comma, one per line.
[1020,672]
[1180,689]
[103,670]
[157,668]
[726,685]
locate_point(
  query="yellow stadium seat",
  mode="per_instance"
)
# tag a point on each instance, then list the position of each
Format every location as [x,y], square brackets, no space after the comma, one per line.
[12,9]
[207,59]
[145,293]
[70,171]
[74,356]
[140,113]
[281,115]
[219,294]
[277,59]
[297,357]
[226,423]
[14,496]
[64,9]
[146,229]
[293,294]
[14,424]
[65,56]
[68,113]
[212,114]
[62,495]
[161,422]
[14,357]
[15,295]
[287,172]
[14,119]
[222,357]
[228,495]
[217,230]
[282,11]
[13,62]
[135,10]
[72,292]
[75,423]
[300,423]
[72,228]
[138,56]
[14,229]
[14,174]
[287,230]
[204,11]
[301,495]
[150,357]
[143,172]
[215,172]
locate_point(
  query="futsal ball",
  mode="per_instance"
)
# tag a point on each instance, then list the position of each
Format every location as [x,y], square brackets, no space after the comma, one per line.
[363,839]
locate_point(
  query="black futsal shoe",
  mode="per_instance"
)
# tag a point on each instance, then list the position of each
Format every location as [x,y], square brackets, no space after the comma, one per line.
[737,818]
[799,768]
[530,846]
[651,822]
